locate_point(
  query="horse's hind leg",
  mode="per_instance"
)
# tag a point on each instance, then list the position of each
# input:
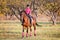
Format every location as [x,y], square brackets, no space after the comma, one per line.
[27,32]
[34,30]
[30,31]
[23,32]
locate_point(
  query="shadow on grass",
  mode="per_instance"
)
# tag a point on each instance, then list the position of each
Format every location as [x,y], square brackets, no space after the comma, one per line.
[56,35]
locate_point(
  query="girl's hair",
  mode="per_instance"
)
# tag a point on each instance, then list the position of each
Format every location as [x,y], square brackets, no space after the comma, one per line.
[27,5]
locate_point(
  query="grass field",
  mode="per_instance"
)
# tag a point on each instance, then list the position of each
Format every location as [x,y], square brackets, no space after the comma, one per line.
[12,31]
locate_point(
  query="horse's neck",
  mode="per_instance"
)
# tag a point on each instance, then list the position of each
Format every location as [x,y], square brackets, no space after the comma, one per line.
[25,16]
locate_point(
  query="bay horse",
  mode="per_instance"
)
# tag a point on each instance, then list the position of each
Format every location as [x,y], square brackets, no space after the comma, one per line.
[26,24]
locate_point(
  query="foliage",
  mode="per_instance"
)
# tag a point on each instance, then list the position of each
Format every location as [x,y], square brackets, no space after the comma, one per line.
[48,4]
[51,6]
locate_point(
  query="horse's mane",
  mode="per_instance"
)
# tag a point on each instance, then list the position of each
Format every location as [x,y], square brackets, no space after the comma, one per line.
[22,12]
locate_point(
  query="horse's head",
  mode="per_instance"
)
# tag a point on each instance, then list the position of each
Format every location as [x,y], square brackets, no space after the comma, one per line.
[22,13]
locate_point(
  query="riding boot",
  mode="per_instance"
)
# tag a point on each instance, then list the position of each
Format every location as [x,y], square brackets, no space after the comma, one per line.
[30,19]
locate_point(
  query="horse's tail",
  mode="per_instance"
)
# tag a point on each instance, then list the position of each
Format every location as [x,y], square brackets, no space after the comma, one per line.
[38,24]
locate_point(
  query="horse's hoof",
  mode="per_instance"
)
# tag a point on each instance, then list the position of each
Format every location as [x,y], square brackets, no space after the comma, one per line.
[26,35]
[22,36]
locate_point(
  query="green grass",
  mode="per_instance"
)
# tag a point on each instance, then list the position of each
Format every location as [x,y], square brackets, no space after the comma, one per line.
[12,31]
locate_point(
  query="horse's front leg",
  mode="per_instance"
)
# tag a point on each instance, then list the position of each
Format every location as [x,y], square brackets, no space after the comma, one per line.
[23,32]
[34,30]
[30,31]
[27,32]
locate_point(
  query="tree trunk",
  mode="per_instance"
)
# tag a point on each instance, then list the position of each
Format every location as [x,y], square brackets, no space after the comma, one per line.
[54,18]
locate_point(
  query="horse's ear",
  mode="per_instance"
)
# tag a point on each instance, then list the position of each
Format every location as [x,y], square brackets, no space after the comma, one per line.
[23,10]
